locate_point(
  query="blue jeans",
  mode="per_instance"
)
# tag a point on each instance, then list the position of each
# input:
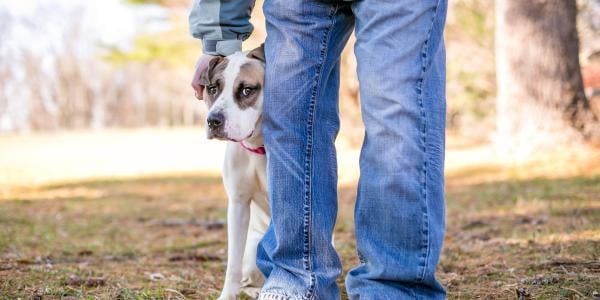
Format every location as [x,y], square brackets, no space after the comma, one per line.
[399,213]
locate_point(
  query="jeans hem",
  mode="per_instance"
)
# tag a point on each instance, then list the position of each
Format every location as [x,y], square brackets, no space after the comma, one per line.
[276,295]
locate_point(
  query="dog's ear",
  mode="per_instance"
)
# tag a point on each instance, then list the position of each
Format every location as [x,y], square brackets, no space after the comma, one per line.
[258,53]
[205,76]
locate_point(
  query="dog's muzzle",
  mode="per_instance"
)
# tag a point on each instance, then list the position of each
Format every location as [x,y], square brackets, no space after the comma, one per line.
[216,125]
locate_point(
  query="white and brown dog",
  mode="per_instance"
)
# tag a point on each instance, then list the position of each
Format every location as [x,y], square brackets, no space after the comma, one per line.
[233,93]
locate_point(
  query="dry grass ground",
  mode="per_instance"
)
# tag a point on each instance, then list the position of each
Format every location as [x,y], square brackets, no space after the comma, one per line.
[531,228]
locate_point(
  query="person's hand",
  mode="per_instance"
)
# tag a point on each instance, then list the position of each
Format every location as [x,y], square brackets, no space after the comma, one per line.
[201,66]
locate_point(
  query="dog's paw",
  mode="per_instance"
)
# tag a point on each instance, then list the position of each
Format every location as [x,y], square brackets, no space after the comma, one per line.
[227,296]
[251,292]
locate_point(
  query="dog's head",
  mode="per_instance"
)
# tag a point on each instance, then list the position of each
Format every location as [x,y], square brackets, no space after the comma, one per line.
[233,92]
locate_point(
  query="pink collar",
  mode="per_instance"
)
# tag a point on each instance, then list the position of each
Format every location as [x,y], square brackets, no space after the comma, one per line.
[260,150]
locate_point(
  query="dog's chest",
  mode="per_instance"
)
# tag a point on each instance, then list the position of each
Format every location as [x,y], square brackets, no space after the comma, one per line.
[244,171]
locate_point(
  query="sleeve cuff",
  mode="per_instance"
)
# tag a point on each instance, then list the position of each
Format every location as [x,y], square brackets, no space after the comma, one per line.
[224,48]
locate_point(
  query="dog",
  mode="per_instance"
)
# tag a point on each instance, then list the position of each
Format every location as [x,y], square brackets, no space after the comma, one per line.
[233,92]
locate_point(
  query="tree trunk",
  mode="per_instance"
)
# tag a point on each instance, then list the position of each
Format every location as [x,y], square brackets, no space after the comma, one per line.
[541,100]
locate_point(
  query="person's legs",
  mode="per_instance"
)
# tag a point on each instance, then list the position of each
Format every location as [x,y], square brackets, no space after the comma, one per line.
[399,214]
[300,123]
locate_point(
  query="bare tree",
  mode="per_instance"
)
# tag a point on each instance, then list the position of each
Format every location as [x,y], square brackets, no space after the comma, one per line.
[541,100]
[67,81]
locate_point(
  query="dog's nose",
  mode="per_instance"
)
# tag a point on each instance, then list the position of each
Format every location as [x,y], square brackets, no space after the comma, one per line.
[215,120]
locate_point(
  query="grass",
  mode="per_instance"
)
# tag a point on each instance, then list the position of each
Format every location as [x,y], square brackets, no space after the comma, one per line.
[542,235]
[510,230]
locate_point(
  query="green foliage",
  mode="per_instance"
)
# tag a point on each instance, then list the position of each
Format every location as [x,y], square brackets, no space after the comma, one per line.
[474,20]
[144,1]
[169,3]
[169,51]
[471,66]
[174,48]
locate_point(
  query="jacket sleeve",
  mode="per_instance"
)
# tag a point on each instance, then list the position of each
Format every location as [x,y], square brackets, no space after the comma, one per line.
[222,25]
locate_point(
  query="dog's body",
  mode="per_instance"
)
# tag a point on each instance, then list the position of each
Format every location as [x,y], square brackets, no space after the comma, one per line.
[233,93]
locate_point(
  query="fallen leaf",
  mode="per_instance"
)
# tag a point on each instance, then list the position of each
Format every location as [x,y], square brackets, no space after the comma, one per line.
[523,294]
[202,257]
[156,276]
[188,291]
[85,252]
[95,282]
[475,224]
[74,280]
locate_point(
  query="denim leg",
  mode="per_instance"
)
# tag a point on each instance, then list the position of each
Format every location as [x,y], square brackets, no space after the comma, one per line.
[399,214]
[300,123]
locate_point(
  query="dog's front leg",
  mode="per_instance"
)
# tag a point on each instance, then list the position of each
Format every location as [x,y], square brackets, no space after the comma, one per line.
[238,216]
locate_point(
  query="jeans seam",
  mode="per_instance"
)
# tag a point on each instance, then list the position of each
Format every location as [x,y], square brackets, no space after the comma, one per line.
[426,241]
[308,156]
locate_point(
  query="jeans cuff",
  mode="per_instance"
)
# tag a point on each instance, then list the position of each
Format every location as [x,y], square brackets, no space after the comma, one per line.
[276,295]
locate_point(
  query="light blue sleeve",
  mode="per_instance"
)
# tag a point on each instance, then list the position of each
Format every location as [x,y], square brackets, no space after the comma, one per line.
[222,25]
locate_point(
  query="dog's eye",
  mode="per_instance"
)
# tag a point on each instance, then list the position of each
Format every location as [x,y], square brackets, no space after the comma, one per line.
[212,90]
[247,91]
